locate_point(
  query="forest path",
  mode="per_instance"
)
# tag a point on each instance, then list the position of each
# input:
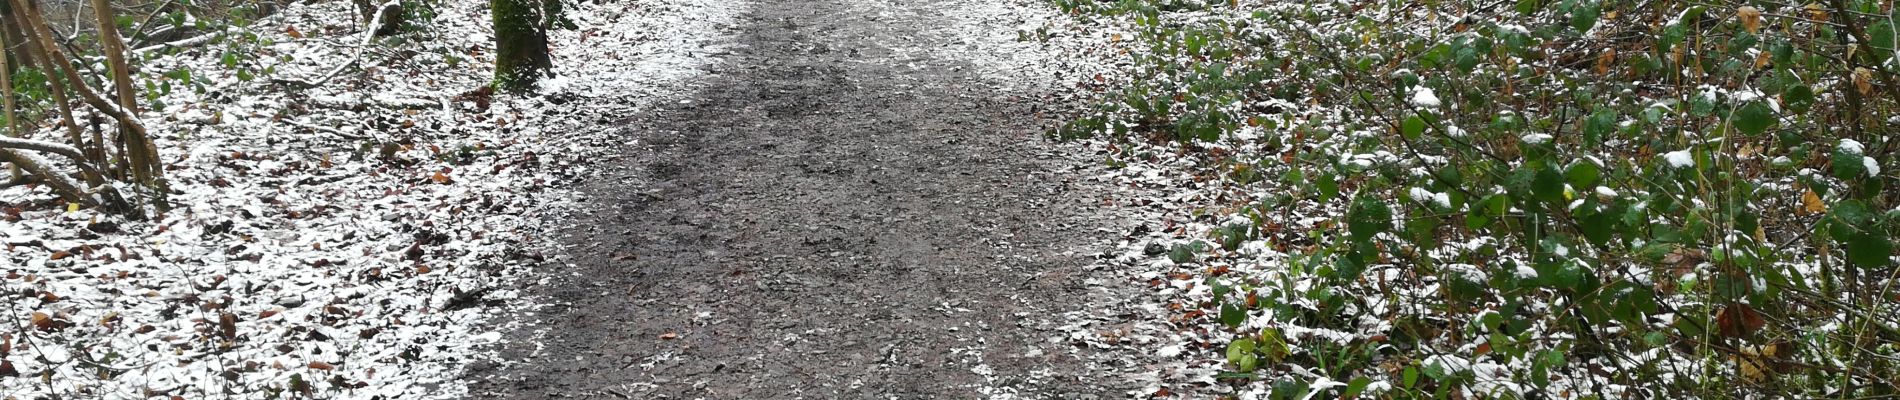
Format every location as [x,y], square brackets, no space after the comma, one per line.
[832,217]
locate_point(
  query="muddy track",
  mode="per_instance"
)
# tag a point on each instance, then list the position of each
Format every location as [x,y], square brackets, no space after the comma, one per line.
[828,219]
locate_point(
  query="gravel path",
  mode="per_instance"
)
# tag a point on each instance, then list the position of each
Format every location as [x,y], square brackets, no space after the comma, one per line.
[830,218]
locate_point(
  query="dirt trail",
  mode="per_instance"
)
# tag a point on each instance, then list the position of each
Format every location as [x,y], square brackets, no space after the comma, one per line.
[829,219]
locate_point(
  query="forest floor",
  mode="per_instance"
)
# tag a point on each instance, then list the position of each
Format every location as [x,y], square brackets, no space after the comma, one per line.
[713,199]
[843,210]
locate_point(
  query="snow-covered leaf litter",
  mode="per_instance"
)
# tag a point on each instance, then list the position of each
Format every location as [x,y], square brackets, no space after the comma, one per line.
[343,241]
[1279,185]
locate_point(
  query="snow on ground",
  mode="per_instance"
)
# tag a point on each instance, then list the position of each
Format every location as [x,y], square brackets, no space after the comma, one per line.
[343,241]
[1018,45]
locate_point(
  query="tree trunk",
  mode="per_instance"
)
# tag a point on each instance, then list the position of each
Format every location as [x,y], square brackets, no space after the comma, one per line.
[138,147]
[521,44]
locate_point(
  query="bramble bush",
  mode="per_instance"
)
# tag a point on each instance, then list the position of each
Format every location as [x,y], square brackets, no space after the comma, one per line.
[1533,198]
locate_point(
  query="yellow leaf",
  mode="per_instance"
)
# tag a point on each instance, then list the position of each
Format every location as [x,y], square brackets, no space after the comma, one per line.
[1751,18]
[72,207]
[1864,80]
[1811,203]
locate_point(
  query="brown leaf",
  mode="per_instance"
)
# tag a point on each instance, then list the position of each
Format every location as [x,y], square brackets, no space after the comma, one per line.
[61,254]
[1606,60]
[7,370]
[227,326]
[323,366]
[45,322]
[292,32]
[669,336]
[442,178]
[1739,320]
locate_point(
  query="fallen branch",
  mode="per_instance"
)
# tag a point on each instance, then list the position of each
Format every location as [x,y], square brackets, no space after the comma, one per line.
[79,157]
[195,41]
[67,188]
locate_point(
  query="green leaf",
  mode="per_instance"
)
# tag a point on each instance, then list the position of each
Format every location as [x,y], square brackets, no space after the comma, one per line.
[1248,362]
[1239,348]
[1328,186]
[1798,98]
[1410,377]
[1870,249]
[1599,124]
[1368,217]
[1584,15]
[1848,166]
[1182,253]
[1357,386]
[1547,185]
[1232,315]
[1583,175]
[1753,118]
[1486,210]
[1412,127]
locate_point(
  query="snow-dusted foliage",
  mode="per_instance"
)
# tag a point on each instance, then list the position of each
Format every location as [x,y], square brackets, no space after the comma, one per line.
[330,235]
[1528,199]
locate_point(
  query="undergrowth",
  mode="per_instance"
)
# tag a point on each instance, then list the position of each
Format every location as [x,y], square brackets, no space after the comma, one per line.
[1533,198]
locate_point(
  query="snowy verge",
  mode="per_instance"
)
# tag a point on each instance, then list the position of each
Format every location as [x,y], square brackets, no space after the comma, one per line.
[344,241]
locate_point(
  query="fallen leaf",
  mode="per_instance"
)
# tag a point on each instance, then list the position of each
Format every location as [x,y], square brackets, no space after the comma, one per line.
[227,326]
[1811,203]
[1739,320]
[669,336]
[322,366]
[441,178]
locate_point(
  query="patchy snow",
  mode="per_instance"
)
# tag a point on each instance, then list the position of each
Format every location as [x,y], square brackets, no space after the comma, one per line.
[1425,97]
[1851,146]
[1680,159]
[347,240]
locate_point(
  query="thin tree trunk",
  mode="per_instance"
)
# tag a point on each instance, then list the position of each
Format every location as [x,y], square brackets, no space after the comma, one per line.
[521,44]
[6,90]
[139,148]
[36,58]
[43,35]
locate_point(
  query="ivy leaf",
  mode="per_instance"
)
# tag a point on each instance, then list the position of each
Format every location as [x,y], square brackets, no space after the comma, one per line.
[1753,118]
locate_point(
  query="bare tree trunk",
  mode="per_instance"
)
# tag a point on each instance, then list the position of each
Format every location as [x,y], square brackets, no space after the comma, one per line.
[138,147]
[18,38]
[6,90]
[521,43]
